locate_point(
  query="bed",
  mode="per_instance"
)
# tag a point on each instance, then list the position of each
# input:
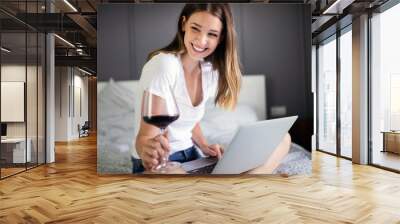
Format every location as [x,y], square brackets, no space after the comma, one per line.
[116,126]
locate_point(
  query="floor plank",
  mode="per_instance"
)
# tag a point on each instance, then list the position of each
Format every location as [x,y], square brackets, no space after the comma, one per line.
[70,191]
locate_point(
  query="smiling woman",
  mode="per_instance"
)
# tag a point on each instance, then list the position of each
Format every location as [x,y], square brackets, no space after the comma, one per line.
[200,63]
[198,60]
[210,29]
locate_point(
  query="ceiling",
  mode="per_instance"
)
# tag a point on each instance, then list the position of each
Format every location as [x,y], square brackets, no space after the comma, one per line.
[77,26]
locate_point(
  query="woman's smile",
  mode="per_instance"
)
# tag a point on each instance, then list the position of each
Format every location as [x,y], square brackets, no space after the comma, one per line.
[198,49]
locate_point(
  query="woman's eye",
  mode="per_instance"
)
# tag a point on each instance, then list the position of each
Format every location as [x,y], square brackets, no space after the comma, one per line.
[213,34]
[195,29]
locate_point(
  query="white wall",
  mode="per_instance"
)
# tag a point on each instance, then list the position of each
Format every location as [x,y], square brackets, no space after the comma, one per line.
[70,83]
[61,103]
[15,72]
[80,109]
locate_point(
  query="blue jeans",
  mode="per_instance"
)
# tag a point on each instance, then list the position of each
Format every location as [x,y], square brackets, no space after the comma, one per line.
[180,156]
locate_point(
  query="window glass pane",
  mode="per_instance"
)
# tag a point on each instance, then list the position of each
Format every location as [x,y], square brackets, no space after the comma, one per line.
[385,88]
[346,94]
[23,86]
[15,150]
[327,97]
[31,97]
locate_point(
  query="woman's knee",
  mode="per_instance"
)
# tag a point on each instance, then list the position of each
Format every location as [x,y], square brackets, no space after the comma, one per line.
[287,139]
[274,160]
[285,144]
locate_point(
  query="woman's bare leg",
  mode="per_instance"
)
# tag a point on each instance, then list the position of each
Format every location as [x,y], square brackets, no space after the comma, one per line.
[276,157]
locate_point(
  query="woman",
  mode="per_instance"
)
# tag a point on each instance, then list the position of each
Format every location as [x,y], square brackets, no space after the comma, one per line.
[201,62]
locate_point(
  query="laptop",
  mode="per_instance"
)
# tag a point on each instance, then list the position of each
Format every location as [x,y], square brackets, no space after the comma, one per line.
[250,148]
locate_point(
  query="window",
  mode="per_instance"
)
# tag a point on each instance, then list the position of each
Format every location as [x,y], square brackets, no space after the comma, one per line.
[327,96]
[333,137]
[346,93]
[385,84]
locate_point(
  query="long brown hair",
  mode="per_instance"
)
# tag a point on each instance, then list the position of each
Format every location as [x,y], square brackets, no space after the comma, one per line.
[224,58]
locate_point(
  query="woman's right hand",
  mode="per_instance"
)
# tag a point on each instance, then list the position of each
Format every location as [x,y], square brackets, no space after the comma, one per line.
[153,150]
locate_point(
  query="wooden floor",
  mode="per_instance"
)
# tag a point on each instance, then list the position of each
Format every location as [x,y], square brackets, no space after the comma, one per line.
[70,191]
[10,171]
[387,159]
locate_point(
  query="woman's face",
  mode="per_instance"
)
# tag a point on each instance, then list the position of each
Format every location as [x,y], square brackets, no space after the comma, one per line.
[202,34]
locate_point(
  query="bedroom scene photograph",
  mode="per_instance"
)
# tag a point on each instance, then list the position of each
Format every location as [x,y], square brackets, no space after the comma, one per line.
[204,89]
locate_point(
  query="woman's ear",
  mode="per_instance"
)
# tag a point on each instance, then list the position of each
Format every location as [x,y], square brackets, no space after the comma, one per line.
[183,23]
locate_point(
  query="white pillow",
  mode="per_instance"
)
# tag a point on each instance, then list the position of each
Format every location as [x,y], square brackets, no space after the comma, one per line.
[220,125]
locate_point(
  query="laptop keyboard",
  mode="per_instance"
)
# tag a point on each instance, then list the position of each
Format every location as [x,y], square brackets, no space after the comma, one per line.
[203,170]
[200,166]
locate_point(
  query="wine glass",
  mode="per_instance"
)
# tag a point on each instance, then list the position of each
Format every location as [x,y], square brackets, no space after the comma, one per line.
[160,110]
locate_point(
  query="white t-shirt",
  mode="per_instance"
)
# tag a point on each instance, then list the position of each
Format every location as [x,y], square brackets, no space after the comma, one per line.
[166,69]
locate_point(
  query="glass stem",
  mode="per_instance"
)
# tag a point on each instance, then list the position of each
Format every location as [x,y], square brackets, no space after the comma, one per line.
[165,158]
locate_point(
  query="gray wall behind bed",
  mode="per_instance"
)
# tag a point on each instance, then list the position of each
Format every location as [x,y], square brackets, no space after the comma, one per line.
[273,39]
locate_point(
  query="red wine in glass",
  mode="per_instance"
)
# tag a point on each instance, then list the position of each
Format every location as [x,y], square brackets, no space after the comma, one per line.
[161,121]
[160,110]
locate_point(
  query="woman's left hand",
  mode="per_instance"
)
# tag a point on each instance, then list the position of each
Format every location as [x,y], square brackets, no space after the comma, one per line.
[213,150]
